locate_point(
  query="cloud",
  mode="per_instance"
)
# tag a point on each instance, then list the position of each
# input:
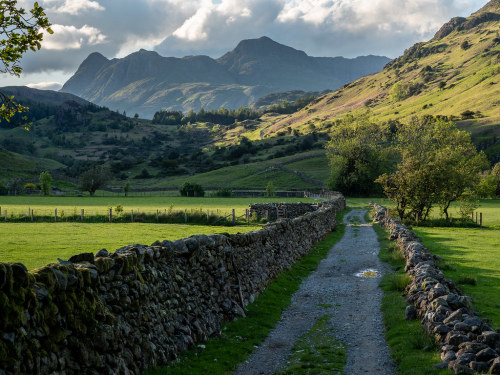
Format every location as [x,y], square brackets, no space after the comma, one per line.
[214,28]
[320,27]
[73,7]
[70,37]
[45,85]
[350,28]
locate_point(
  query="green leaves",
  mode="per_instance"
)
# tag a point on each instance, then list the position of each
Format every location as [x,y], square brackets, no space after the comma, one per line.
[20,32]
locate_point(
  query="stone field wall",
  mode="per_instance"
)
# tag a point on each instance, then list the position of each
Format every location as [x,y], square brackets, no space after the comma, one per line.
[290,210]
[122,312]
[469,345]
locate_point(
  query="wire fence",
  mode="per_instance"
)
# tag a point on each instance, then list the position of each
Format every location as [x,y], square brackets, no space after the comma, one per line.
[226,216]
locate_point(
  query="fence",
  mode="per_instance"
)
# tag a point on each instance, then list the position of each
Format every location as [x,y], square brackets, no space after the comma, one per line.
[225,216]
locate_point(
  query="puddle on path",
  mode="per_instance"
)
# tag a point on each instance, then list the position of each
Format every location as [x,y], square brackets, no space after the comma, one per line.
[368,273]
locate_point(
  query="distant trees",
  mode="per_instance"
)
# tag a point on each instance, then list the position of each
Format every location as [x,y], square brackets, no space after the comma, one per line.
[45,182]
[220,116]
[192,190]
[94,178]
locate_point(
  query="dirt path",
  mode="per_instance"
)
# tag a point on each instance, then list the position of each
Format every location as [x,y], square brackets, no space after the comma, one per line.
[352,300]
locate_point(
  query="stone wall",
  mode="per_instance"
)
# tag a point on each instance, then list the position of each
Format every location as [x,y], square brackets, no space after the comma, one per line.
[270,211]
[469,345]
[122,312]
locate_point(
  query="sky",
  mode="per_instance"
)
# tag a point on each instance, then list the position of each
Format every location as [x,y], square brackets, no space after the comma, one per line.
[179,28]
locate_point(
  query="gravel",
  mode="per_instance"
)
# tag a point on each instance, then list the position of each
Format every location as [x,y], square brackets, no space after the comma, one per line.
[336,288]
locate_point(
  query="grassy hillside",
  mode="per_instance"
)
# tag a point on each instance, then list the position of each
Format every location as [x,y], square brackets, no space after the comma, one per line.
[457,75]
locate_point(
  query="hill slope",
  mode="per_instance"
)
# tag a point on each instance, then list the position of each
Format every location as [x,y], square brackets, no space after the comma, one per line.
[145,82]
[456,74]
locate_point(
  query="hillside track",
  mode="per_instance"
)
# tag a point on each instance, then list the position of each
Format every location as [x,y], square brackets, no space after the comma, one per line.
[336,289]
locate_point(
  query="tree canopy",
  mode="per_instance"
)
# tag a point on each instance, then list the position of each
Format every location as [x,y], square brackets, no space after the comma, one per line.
[358,153]
[438,164]
[21,31]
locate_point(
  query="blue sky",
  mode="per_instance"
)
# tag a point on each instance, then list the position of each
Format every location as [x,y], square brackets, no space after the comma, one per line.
[117,28]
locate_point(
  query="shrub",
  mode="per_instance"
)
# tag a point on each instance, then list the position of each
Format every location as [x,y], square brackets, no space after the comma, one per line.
[192,190]
[224,192]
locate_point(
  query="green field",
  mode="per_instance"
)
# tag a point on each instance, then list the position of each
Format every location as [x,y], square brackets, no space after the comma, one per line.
[19,205]
[472,260]
[41,243]
[471,255]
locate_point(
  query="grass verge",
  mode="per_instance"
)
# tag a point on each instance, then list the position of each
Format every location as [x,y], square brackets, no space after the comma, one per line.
[414,352]
[240,337]
[317,352]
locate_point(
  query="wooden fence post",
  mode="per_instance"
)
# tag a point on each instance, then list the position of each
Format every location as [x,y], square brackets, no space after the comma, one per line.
[110,215]
[0,210]
[157,215]
[5,215]
[31,215]
[132,216]
[476,217]
[55,215]
[208,215]
[480,219]
[82,214]
[234,217]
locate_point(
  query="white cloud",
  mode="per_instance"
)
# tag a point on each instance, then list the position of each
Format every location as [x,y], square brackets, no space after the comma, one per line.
[73,7]
[45,85]
[70,37]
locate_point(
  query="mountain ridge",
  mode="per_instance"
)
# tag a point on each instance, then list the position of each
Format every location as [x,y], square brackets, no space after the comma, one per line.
[146,82]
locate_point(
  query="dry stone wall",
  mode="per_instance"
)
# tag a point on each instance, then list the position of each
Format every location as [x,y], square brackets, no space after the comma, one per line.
[122,312]
[271,211]
[469,345]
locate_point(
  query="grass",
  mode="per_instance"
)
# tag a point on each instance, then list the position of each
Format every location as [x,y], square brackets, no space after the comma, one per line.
[316,352]
[414,352]
[38,244]
[472,260]
[18,205]
[239,338]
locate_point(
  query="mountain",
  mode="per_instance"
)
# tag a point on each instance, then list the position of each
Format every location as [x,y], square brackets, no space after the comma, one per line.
[145,82]
[455,74]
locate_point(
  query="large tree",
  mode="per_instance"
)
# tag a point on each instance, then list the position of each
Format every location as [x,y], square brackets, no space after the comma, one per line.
[438,163]
[358,153]
[94,178]
[21,31]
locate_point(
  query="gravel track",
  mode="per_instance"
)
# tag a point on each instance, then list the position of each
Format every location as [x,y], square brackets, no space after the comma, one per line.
[355,305]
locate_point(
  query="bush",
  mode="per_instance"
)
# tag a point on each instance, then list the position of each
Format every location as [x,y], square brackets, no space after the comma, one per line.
[3,189]
[192,190]
[225,192]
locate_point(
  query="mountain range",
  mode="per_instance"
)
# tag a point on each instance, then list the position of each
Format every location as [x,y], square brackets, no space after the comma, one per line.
[145,82]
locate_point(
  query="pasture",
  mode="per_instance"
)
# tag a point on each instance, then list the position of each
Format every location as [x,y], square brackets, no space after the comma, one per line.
[38,244]
[97,206]
[471,256]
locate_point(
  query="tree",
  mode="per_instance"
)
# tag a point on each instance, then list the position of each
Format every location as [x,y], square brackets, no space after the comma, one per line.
[438,163]
[192,190]
[358,153]
[270,191]
[94,178]
[126,189]
[45,182]
[21,31]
